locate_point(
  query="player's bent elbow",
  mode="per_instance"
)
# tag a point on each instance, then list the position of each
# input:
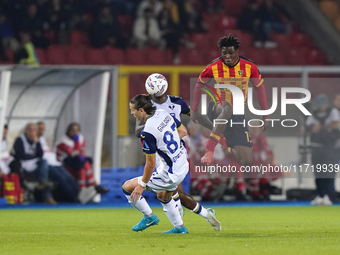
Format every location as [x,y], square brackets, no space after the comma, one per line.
[182,131]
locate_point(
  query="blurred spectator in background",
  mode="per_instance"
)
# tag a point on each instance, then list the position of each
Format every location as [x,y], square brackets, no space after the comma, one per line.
[155,5]
[274,18]
[27,149]
[250,22]
[107,30]
[192,17]
[26,55]
[68,189]
[212,6]
[336,103]
[39,40]
[30,21]
[71,152]
[324,127]
[36,24]
[57,20]
[146,31]
[76,15]
[7,37]
[170,32]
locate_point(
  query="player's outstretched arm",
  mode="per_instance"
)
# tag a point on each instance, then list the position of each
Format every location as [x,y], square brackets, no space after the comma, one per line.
[148,170]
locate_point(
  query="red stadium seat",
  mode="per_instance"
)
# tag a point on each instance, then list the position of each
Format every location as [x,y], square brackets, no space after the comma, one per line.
[76,56]
[50,35]
[201,41]
[212,54]
[299,40]
[41,56]
[136,84]
[56,55]
[9,54]
[234,7]
[210,19]
[79,38]
[115,56]
[275,57]
[126,23]
[315,57]
[257,55]
[194,57]
[135,57]
[155,56]
[96,57]
[185,82]
[296,57]
[168,57]
[283,41]
[245,39]
[226,22]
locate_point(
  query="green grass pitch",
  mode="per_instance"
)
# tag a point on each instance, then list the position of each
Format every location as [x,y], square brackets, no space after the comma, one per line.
[245,230]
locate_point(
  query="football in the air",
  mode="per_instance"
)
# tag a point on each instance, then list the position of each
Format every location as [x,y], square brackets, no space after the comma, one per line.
[156,84]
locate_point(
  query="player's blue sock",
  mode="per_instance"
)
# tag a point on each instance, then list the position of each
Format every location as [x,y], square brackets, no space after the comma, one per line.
[200,210]
[141,205]
[171,211]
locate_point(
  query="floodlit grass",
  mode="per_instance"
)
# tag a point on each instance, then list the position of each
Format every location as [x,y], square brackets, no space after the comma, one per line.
[246,230]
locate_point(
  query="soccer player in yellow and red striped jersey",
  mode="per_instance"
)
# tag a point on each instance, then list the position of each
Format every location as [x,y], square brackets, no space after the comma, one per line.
[230,68]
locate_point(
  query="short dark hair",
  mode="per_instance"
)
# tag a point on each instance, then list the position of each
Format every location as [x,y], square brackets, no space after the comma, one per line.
[144,102]
[229,41]
[5,126]
[69,127]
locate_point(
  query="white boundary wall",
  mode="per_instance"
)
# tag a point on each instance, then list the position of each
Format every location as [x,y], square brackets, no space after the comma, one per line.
[4,89]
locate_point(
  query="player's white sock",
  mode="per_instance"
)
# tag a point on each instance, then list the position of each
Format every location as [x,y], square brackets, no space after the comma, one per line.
[172,212]
[200,210]
[177,200]
[141,205]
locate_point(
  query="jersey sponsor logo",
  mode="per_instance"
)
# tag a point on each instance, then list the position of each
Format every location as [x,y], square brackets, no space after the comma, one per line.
[145,145]
[171,107]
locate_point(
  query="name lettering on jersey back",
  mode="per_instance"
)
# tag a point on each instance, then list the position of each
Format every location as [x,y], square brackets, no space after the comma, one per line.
[164,123]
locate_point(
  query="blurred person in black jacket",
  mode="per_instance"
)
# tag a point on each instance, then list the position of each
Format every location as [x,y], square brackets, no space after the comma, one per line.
[27,149]
[324,127]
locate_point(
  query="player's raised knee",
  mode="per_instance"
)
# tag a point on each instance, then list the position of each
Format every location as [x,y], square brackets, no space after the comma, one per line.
[127,186]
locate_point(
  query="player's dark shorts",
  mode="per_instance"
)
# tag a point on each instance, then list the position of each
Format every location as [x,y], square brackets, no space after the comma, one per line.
[236,135]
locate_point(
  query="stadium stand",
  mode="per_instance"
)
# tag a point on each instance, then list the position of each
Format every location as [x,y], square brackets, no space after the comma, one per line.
[196,48]
[217,25]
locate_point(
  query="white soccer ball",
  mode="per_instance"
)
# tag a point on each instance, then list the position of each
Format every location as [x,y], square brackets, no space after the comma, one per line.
[156,84]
